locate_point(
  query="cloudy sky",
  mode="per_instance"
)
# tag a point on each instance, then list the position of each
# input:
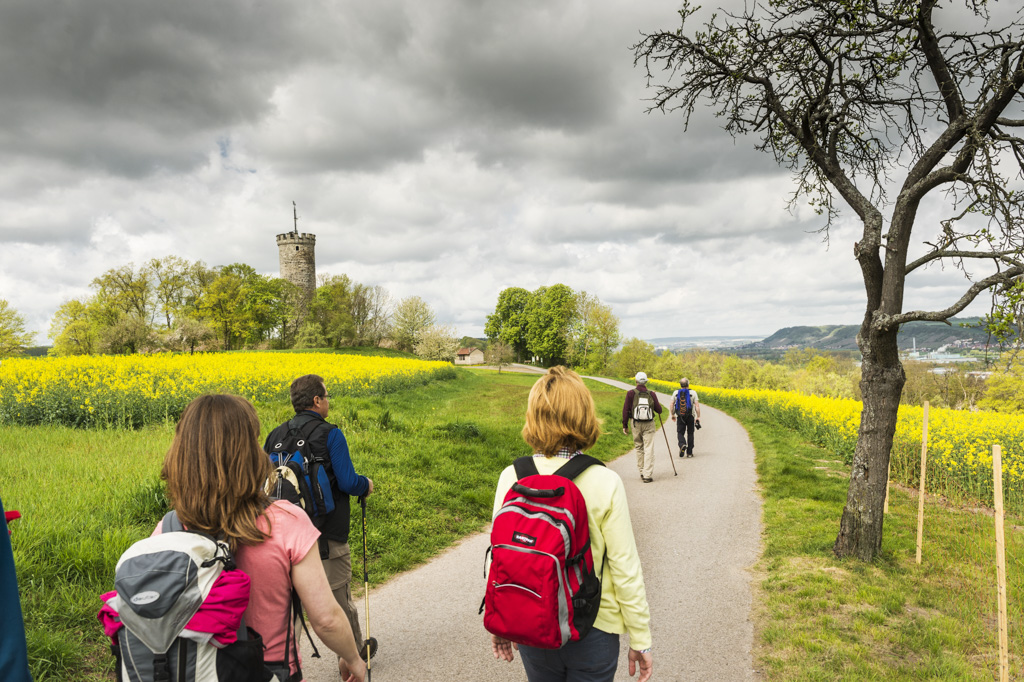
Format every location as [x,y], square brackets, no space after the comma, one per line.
[446,149]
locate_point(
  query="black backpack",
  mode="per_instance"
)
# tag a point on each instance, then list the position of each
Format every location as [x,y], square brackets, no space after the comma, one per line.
[304,478]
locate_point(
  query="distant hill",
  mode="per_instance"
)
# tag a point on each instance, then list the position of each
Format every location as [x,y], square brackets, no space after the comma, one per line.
[922,335]
[677,343]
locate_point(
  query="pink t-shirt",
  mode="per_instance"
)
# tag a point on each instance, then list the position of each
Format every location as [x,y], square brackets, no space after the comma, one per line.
[269,566]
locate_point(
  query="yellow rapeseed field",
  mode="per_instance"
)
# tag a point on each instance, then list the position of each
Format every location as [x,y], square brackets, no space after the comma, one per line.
[138,389]
[959,442]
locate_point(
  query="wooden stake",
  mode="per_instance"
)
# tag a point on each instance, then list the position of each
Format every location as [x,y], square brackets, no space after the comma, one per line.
[888,477]
[997,493]
[920,494]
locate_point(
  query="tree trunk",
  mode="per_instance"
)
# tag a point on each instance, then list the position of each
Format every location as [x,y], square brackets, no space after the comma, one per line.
[882,379]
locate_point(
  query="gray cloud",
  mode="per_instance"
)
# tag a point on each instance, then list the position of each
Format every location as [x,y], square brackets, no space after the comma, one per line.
[444,149]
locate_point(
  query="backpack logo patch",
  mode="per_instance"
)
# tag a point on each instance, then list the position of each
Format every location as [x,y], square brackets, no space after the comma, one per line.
[143,598]
[524,539]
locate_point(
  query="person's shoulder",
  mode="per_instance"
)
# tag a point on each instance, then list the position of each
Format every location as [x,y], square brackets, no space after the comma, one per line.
[288,514]
[600,472]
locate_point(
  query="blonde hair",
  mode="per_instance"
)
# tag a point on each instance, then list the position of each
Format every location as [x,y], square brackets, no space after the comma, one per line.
[215,469]
[560,413]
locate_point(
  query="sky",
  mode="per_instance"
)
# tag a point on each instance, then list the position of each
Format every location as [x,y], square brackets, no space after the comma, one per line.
[446,149]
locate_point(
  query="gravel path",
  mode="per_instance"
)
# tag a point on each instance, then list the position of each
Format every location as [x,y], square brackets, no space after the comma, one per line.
[697,534]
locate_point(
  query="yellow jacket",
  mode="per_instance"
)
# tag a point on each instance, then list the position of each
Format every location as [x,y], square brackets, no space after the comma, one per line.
[623,597]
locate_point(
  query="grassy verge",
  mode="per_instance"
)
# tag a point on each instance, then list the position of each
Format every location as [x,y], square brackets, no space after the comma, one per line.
[820,618]
[434,453]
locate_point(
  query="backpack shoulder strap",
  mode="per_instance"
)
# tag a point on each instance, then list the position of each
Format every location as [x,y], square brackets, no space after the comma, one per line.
[577,465]
[171,522]
[525,466]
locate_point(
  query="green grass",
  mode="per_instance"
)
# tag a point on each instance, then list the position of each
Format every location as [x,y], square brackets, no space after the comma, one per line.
[434,453]
[821,618]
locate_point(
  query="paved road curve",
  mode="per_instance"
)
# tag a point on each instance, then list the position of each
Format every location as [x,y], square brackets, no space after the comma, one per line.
[697,534]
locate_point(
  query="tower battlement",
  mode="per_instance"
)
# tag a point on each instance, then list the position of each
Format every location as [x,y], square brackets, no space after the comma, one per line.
[296,238]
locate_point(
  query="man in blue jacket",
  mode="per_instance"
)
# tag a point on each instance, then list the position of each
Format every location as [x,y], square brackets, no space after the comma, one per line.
[311,402]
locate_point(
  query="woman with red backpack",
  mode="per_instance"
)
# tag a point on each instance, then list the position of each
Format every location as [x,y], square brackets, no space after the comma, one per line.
[561,422]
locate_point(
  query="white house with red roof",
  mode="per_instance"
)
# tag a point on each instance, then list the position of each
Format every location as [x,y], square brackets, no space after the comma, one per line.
[469,356]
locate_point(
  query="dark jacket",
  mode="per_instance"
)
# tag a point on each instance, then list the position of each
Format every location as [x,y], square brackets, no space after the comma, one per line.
[327,439]
[627,407]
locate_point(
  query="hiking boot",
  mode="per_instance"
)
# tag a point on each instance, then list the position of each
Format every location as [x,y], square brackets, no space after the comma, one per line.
[689,454]
[646,480]
[682,450]
[371,643]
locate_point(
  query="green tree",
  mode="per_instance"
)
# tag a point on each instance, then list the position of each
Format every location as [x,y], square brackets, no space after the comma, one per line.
[549,314]
[886,108]
[508,321]
[702,367]
[190,332]
[127,291]
[370,314]
[738,372]
[1005,392]
[74,330]
[169,278]
[412,317]
[331,310]
[592,334]
[223,302]
[636,355]
[13,337]
[437,342]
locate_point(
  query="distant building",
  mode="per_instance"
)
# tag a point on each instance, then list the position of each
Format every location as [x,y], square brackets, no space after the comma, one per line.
[469,356]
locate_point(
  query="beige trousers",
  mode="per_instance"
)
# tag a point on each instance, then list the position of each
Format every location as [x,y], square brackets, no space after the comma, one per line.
[338,566]
[643,440]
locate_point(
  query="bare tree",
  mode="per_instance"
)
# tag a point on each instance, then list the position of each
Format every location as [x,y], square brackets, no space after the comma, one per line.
[499,354]
[882,105]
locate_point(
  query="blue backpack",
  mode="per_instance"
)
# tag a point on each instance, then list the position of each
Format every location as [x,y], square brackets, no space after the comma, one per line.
[303,478]
[681,408]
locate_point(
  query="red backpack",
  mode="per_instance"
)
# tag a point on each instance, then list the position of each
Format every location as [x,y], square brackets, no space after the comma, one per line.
[541,588]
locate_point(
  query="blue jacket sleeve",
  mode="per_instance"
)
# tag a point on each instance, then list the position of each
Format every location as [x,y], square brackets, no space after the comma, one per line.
[348,480]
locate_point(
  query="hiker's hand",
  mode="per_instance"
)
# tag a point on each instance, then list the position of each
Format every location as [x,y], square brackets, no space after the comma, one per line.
[696,424]
[673,417]
[370,489]
[645,662]
[354,673]
[625,431]
[502,648]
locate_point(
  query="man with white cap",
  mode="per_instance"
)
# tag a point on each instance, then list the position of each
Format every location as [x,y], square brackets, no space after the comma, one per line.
[641,405]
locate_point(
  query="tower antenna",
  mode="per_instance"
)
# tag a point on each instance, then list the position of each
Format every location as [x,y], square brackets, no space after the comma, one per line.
[295,213]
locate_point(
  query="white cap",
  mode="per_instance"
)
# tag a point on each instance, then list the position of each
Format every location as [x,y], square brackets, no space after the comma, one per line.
[641,378]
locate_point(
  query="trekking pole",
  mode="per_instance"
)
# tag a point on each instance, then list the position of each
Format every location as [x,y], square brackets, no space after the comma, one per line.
[366,591]
[668,447]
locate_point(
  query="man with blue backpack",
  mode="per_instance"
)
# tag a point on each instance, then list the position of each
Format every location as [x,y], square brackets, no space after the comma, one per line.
[330,478]
[686,406]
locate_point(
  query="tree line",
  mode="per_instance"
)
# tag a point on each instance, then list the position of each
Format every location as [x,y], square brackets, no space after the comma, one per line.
[174,304]
[555,326]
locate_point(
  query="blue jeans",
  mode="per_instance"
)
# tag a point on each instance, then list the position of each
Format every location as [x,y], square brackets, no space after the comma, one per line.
[592,659]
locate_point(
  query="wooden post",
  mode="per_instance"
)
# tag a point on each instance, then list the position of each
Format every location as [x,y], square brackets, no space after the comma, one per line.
[920,494]
[888,476]
[997,493]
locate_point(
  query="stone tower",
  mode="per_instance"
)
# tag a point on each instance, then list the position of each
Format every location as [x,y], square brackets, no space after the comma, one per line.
[297,257]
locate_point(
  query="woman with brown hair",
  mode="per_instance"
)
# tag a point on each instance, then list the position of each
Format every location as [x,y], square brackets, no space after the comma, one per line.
[561,422]
[215,471]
